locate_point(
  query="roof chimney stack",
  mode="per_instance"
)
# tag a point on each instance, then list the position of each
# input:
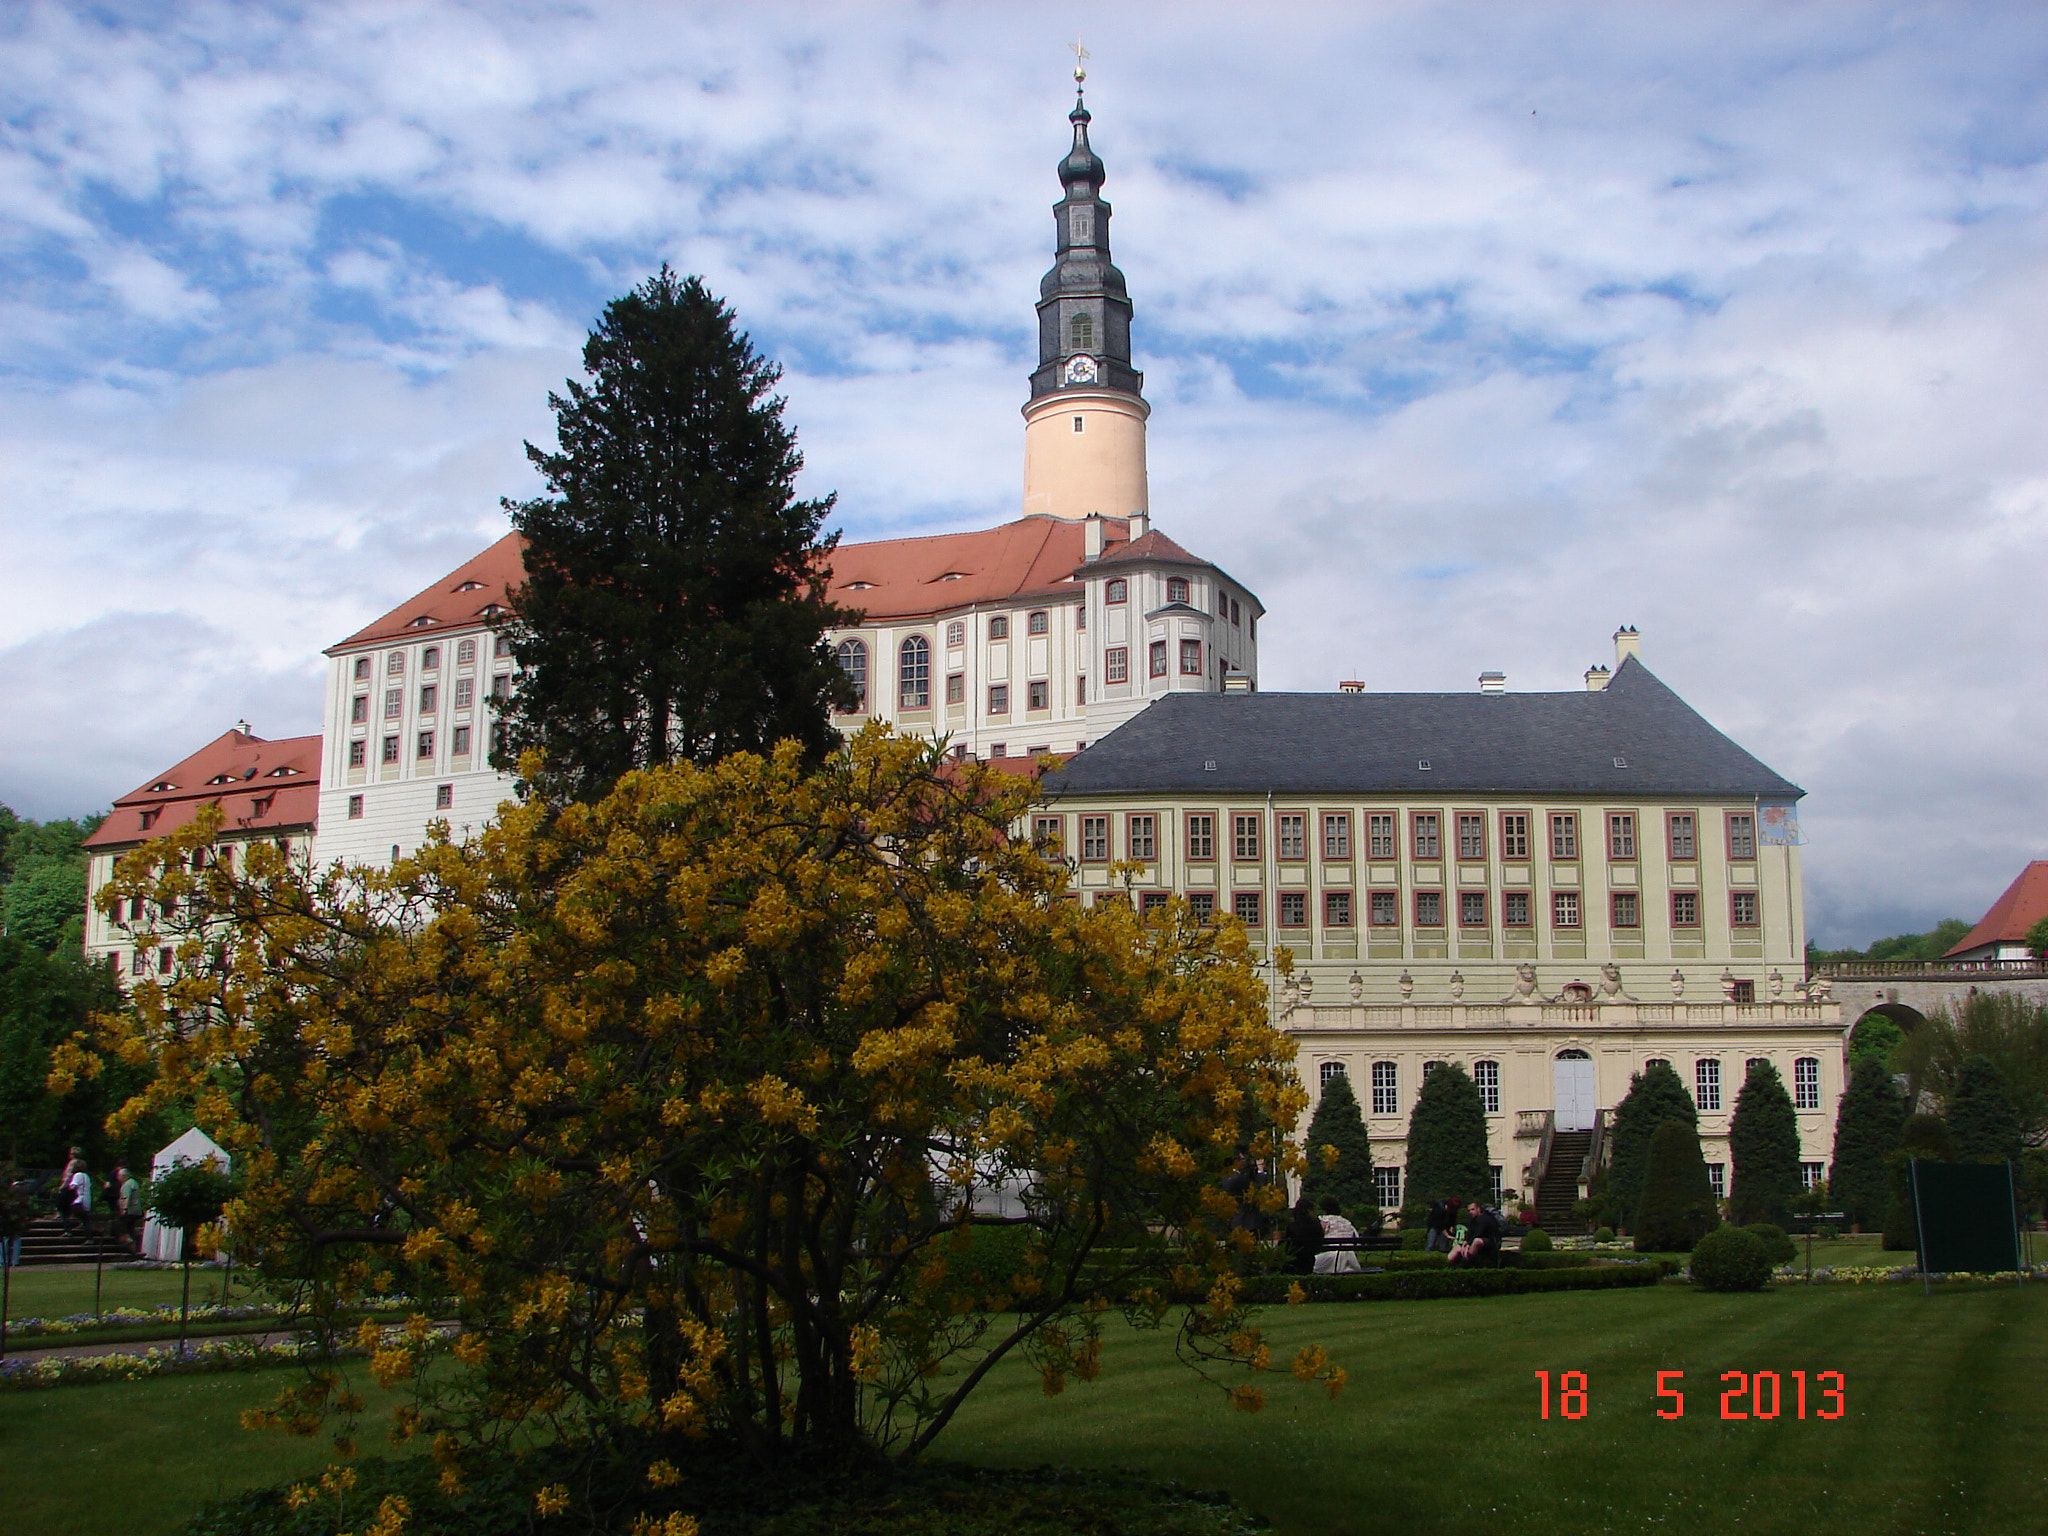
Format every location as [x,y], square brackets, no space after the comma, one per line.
[1493,682]
[1596,679]
[1627,643]
[1091,536]
[242,726]
[1351,687]
[1141,524]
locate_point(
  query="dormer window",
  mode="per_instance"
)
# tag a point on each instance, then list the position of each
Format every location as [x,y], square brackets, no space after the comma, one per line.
[162,786]
[224,778]
[491,610]
[471,586]
[149,819]
[1117,591]
[1176,589]
[282,773]
[860,586]
[423,621]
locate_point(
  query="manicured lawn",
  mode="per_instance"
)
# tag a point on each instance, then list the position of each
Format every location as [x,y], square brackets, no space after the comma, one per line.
[138,1457]
[39,1292]
[1438,1429]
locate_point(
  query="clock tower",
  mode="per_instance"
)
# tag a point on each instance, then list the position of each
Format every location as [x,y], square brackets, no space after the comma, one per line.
[1084,426]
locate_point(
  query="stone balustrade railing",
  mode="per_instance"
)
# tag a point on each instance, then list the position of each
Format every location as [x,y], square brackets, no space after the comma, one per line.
[1553,1015]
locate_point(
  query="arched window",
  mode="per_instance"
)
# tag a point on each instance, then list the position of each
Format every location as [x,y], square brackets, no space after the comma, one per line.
[1806,1083]
[465,654]
[1386,1088]
[1331,1069]
[1117,591]
[1486,1074]
[1083,333]
[914,673]
[853,661]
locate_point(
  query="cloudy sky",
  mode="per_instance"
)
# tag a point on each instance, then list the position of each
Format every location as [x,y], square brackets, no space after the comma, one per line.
[1473,331]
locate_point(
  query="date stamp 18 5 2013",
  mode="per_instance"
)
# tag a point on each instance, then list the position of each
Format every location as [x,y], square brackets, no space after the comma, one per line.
[1744,1394]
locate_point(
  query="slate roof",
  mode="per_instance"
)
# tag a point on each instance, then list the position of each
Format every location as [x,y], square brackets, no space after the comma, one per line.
[1373,743]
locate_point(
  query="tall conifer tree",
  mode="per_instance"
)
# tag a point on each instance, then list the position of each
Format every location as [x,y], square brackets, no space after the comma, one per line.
[1337,1124]
[1655,1094]
[1447,1139]
[1925,1137]
[1981,1119]
[674,605]
[1763,1145]
[1867,1130]
[1678,1207]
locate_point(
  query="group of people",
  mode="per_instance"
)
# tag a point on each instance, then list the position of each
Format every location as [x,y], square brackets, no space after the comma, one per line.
[1326,1242]
[79,1194]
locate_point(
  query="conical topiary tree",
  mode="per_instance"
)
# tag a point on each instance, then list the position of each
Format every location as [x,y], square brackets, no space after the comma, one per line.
[1340,1152]
[1867,1128]
[1655,1094]
[1677,1208]
[1447,1152]
[1981,1119]
[1763,1144]
[1925,1137]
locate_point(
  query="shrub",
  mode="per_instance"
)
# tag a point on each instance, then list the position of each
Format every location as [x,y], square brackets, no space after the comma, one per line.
[1436,1284]
[1731,1259]
[1678,1198]
[1655,1095]
[1538,1241]
[1778,1247]
[1412,1239]
[1604,1235]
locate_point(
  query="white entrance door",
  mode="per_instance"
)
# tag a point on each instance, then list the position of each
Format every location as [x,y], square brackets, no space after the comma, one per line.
[1573,1075]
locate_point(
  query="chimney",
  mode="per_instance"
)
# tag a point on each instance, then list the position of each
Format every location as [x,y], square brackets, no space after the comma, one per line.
[1596,679]
[242,726]
[1627,643]
[1237,682]
[1091,536]
[1493,682]
[1351,687]
[1141,524]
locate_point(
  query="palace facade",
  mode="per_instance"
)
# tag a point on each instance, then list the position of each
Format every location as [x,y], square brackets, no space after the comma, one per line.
[1552,888]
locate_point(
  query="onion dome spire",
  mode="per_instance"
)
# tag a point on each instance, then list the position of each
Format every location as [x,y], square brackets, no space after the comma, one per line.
[1084,309]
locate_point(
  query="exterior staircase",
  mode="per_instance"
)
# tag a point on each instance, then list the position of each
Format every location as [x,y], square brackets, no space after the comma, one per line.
[1557,1189]
[46,1242]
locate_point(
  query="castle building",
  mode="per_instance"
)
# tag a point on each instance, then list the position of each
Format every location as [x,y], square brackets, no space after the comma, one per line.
[1552,888]
[268,790]
[1037,636]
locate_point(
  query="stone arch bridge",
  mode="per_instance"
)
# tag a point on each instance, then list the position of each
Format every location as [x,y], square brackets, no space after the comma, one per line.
[1906,991]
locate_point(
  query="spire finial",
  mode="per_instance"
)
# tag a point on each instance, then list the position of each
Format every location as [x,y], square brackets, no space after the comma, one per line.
[1081,57]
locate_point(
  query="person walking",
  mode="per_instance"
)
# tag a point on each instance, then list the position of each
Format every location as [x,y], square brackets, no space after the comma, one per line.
[81,1196]
[66,1193]
[128,1203]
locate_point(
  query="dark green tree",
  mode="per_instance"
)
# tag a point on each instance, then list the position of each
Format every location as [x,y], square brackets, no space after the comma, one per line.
[1876,1035]
[1982,1122]
[1447,1152]
[1867,1127]
[42,880]
[1338,1125]
[674,603]
[1763,1145]
[1925,1137]
[43,1000]
[2008,1028]
[1678,1206]
[1655,1094]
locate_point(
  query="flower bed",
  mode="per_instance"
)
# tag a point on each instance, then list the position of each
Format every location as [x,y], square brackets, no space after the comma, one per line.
[202,1358]
[1879,1274]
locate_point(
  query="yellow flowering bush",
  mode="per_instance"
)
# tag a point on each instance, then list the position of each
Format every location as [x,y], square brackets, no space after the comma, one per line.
[686,1099]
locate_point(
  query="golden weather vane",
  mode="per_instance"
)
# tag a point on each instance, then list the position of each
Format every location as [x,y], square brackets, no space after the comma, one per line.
[1081,57]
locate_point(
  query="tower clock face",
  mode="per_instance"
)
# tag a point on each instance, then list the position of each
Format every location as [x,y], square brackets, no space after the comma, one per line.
[1080,370]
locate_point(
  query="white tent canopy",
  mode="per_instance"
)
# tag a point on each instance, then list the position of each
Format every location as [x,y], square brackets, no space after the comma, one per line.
[195,1146]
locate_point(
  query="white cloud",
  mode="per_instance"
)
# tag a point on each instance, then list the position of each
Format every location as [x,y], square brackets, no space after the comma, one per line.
[1472,332]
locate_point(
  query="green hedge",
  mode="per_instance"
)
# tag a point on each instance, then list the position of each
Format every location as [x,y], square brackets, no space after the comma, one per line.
[1393,1262]
[1429,1285]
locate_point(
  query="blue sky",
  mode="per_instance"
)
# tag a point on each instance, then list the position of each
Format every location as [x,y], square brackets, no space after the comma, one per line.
[1473,331]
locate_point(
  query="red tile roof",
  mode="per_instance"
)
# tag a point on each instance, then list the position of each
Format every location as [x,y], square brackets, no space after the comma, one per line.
[886,579]
[2024,904]
[445,605]
[260,786]
[914,578]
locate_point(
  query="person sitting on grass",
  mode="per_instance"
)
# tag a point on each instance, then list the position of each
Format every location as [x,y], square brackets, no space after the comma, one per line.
[1337,1261]
[1482,1237]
